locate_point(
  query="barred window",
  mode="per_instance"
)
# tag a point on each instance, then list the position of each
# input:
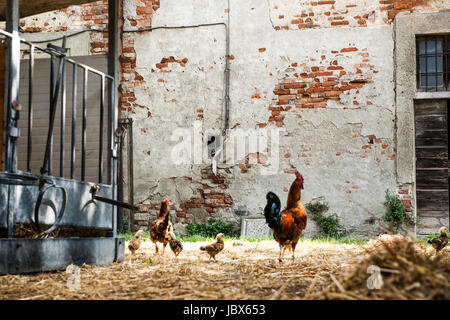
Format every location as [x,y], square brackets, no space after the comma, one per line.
[433,63]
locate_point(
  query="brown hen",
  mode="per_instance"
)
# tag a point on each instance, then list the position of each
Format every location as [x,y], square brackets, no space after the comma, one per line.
[214,248]
[440,242]
[135,243]
[161,227]
[175,245]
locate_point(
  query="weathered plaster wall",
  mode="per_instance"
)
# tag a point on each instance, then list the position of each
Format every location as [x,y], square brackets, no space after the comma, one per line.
[322,72]
[329,90]
[66,21]
[301,14]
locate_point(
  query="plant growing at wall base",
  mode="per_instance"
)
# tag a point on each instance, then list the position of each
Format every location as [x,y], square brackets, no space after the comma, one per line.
[125,227]
[396,213]
[329,225]
[212,228]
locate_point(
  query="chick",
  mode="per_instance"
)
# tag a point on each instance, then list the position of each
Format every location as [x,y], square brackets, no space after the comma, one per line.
[214,248]
[440,242]
[175,244]
[135,243]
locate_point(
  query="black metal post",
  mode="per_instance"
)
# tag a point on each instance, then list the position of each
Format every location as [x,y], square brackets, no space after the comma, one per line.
[100,157]
[63,117]
[120,181]
[53,104]
[83,133]
[52,88]
[130,171]
[30,107]
[113,70]
[74,121]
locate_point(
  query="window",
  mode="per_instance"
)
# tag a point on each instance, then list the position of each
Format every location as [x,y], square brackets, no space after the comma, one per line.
[433,63]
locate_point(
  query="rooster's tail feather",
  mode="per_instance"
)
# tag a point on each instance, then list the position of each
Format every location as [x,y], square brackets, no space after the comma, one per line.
[272,210]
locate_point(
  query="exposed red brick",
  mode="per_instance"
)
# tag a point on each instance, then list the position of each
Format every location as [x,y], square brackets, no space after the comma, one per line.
[349,49]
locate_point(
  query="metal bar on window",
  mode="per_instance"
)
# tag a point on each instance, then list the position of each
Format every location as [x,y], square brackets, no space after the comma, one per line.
[30,107]
[444,64]
[426,66]
[418,74]
[74,121]
[435,64]
[52,84]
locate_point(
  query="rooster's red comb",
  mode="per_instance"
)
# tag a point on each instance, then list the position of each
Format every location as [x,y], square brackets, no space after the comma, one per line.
[299,176]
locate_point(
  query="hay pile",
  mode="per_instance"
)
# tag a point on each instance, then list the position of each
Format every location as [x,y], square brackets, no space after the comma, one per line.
[247,271]
[29,231]
[394,267]
[251,271]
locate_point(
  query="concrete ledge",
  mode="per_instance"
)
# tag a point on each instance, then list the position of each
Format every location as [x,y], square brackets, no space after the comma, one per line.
[432,95]
[38,255]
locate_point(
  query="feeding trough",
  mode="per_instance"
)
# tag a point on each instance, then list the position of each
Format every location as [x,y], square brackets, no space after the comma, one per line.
[52,212]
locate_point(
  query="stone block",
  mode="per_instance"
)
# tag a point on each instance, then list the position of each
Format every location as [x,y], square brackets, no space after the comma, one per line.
[254,227]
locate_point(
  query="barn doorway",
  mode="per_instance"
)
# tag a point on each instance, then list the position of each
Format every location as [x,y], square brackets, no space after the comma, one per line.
[432,164]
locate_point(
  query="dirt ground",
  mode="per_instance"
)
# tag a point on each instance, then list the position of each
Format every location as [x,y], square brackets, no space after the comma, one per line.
[247,271]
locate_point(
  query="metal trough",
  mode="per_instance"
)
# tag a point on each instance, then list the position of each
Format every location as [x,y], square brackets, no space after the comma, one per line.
[65,221]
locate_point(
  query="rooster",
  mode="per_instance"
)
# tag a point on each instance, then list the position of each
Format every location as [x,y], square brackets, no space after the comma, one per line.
[287,225]
[161,227]
[135,243]
[440,242]
[175,244]
[214,248]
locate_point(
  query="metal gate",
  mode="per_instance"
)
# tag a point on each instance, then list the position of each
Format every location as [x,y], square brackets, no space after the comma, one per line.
[60,155]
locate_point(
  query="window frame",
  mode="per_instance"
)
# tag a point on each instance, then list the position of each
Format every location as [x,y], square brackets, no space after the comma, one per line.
[445,63]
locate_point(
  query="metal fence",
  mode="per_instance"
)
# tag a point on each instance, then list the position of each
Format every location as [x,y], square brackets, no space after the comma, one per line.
[25,191]
[59,62]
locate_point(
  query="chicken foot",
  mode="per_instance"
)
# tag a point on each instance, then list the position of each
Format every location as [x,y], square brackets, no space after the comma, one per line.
[281,253]
[293,245]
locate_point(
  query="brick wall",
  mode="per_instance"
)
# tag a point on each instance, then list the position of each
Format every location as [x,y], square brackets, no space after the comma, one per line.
[141,18]
[211,197]
[87,16]
[405,194]
[318,81]
[306,14]
[339,77]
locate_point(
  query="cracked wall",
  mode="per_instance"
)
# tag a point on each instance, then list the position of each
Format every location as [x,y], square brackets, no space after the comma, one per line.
[307,14]
[321,72]
[330,91]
